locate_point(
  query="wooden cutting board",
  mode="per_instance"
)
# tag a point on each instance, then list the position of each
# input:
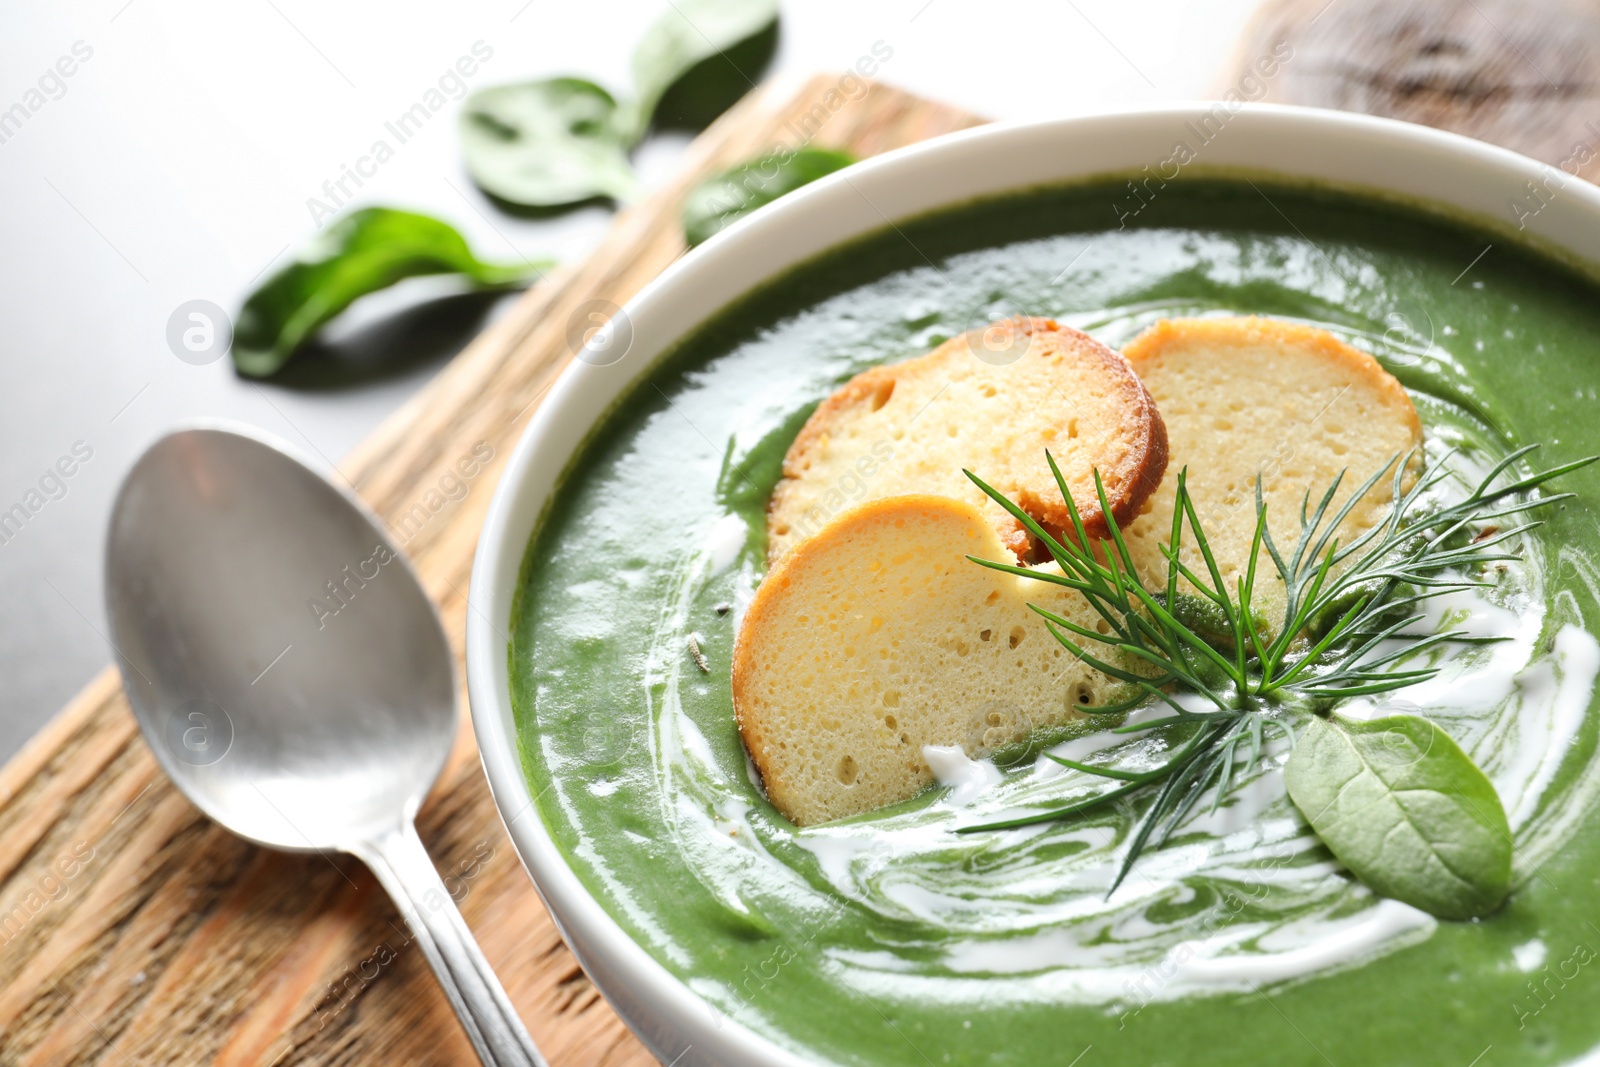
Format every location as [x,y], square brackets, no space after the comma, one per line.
[135,931]
[1524,74]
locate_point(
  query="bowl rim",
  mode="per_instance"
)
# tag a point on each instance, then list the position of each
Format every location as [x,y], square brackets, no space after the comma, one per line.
[554,437]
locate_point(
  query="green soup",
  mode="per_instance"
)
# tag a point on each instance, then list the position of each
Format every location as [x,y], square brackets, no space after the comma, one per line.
[887,939]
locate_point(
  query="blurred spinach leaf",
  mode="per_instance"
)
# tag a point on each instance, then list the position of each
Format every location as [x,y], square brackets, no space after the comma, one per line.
[724,199]
[363,252]
[547,143]
[560,141]
[699,58]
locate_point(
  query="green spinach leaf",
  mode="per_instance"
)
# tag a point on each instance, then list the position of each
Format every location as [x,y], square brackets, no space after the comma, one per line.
[560,141]
[1399,803]
[363,252]
[700,57]
[724,199]
[548,143]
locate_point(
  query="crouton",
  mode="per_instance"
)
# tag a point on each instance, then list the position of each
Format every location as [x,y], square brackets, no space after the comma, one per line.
[1252,398]
[878,636]
[991,401]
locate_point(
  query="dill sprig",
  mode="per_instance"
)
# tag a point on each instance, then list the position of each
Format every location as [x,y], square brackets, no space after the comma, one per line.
[1341,604]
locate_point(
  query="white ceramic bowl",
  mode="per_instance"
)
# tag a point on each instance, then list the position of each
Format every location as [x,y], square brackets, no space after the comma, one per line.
[1389,158]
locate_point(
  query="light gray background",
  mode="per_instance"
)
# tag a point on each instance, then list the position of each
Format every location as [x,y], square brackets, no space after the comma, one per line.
[177,164]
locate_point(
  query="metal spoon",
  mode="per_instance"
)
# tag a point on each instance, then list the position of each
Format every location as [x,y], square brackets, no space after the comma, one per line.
[294,679]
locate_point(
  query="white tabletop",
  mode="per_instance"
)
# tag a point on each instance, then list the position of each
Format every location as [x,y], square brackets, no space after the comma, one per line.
[176,160]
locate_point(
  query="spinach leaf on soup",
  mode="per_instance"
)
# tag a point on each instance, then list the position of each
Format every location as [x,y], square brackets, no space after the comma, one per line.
[1399,803]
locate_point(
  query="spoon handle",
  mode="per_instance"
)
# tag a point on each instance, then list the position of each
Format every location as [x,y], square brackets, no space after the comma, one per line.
[492,1024]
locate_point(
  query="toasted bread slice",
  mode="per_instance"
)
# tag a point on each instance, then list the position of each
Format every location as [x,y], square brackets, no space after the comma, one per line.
[878,636]
[990,401]
[1250,397]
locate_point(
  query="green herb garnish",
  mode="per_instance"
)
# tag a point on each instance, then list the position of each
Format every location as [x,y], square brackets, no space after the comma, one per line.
[1341,604]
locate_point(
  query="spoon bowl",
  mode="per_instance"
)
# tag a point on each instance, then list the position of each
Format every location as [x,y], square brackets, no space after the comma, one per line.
[293,678]
[288,665]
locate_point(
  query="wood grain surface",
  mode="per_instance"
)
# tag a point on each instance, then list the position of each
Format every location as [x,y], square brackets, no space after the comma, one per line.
[1524,74]
[135,931]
